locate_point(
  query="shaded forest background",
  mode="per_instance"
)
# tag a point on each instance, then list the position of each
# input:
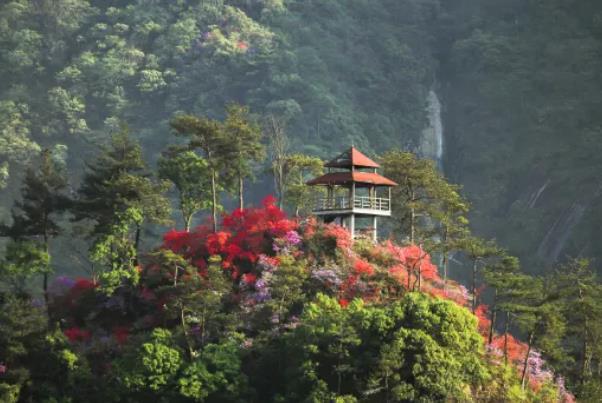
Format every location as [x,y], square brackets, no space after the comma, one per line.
[519,83]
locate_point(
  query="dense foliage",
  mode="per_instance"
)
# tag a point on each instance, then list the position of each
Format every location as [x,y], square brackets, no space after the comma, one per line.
[211,314]
[518,81]
[265,309]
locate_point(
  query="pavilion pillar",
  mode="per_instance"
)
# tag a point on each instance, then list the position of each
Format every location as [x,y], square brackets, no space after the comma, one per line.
[375,229]
[352,225]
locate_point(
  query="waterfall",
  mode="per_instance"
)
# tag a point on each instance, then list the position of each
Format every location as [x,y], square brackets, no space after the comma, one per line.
[431,142]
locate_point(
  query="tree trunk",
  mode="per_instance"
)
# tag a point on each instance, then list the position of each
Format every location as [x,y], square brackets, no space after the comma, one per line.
[45,276]
[241,190]
[445,264]
[445,259]
[493,317]
[187,222]
[186,336]
[280,184]
[474,285]
[419,277]
[412,199]
[526,362]
[412,224]
[187,214]
[584,344]
[136,244]
[506,328]
[214,200]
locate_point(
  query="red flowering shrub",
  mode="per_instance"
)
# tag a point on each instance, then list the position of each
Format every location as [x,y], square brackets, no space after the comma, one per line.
[121,334]
[245,234]
[75,334]
[515,349]
[340,235]
[249,278]
[255,246]
[481,313]
[363,267]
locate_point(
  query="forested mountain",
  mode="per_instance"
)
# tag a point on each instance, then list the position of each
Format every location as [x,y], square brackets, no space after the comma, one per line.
[519,83]
[131,130]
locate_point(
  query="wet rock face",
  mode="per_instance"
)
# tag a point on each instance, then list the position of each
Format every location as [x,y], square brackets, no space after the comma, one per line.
[432,140]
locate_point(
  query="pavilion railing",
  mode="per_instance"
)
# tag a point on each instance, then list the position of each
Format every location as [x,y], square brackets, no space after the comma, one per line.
[358,202]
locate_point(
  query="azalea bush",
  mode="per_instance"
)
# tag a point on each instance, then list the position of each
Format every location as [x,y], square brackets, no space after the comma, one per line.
[269,308]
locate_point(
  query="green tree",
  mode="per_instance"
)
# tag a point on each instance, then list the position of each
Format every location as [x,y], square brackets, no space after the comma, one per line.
[580,294]
[117,185]
[275,129]
[191,177]
[115,252]
[23,261]
[478,251]
[152,366]
[241,146]
[414,199]
[216,375]
[195,299]
[504,276]
[43,200]
[451,215]
[299,168]
[539,315]
[207,136]
[16,144]
[415,349]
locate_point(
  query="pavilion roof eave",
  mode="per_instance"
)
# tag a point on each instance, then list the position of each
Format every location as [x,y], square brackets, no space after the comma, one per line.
[346,178]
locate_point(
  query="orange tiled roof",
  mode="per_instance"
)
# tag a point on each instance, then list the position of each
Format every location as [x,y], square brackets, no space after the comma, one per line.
[344,178]
[352,157]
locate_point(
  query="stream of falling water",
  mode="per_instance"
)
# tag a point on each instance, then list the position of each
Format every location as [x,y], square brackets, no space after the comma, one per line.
[432,142]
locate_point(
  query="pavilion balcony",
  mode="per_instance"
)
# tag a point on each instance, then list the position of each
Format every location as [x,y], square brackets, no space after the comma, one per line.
[359,205]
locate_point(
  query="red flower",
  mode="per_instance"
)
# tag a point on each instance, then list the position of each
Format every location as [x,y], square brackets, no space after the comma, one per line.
[147,295]
[341,236]
[75,334]
[217,241]
[121,334]
[363,267]
[343,302]
[515,349]
[249,278]
[83,284]
[176,240]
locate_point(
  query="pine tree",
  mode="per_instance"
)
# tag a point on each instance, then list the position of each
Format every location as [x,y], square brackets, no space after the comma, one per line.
[503,276]
[23,261]
[117,185]
[538,315]
[478,251]
[414,198]
[450,213]
[43,200]
[580,294]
